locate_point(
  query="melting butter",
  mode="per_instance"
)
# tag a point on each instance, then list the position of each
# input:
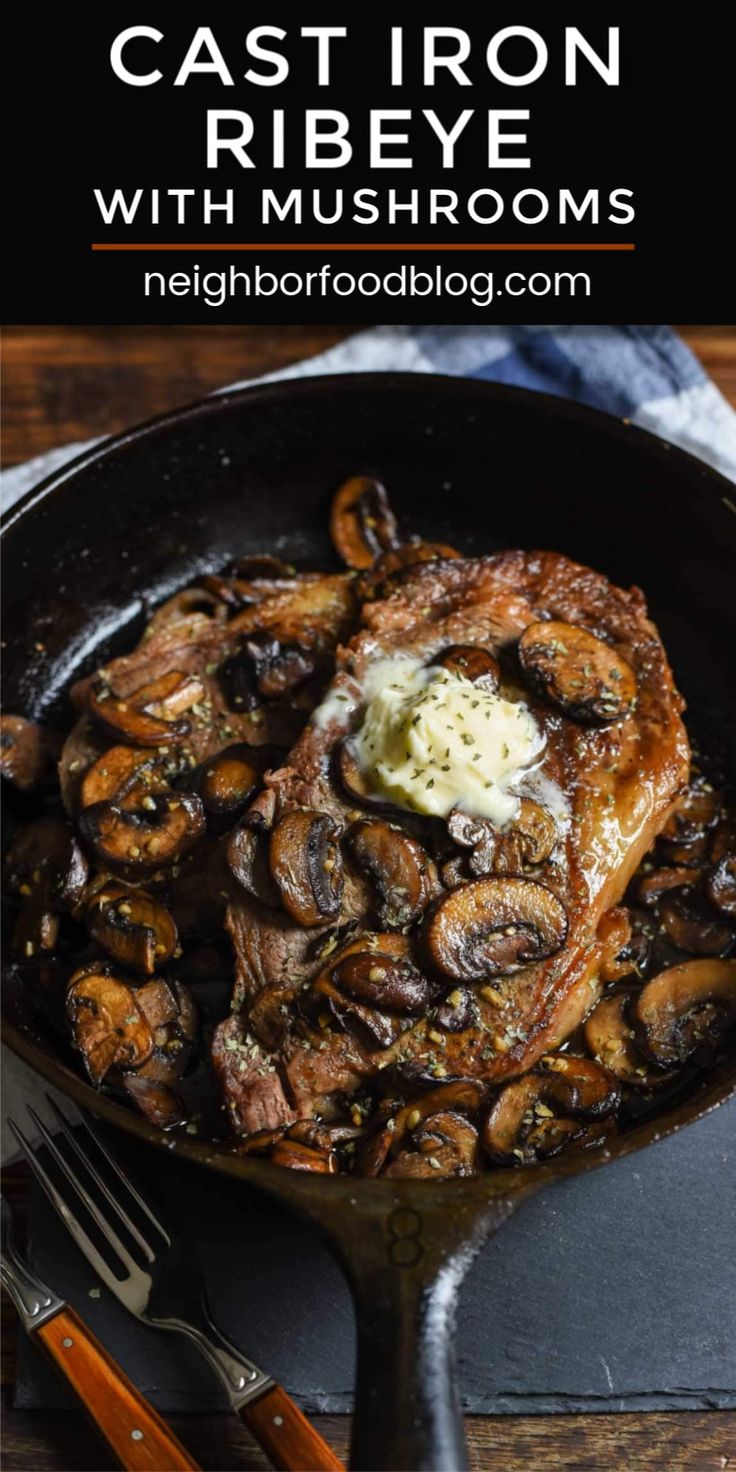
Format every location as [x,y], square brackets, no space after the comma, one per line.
[432,741]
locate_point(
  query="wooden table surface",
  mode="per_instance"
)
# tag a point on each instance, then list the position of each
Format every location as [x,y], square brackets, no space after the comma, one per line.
[63,384]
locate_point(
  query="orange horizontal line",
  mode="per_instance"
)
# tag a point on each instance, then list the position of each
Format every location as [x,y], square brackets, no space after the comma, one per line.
[368,245]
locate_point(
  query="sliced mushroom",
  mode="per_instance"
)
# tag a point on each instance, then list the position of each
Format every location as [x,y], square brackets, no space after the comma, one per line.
[302,1157]
[492,927]
[445,1145]
[263,669]
[323,1136]
[124,773]
[261,565]
[721,885]
[338,1006]
[131,926]
[403,873]
[685,1007]
[374,1152]
[354,780]
[27,752]
[450,1138]
[408,554]
[247,856]
[611,1039]
[652,886]
[156,1102]
[462,1096]
[151,715]
[458,1012]
[226,783]
[45,855]
[108,1026]
[362,524]
[144,839]
[577,672]
[306,866]
[695,927]
[529,839]
[537,1115]
[471,662]
[695,814]
[36,930]
[389,982]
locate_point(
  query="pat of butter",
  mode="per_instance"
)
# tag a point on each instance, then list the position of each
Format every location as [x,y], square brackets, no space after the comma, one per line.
[432,741]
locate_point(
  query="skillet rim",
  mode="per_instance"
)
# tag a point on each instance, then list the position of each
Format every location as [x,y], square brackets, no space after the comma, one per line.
[491,1184]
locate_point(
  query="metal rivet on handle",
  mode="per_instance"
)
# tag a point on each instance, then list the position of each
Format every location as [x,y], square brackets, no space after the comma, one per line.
[67,1343]
[137,1435]
[278,1420]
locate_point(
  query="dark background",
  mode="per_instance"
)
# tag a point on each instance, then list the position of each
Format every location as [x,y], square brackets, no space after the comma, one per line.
[664,132]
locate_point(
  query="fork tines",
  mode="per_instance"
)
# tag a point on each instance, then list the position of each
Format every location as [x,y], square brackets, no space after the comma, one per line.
[109,1218]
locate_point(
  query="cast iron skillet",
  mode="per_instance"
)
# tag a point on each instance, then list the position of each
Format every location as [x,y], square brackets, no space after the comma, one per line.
[466,462]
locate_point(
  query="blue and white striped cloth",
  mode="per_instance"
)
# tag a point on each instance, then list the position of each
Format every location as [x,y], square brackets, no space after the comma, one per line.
[645,374]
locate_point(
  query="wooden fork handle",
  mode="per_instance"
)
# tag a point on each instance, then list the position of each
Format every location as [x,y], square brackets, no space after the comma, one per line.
[134,1432]
[289,1440]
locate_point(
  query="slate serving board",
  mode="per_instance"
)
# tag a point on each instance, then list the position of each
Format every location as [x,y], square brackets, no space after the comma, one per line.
[614,1291]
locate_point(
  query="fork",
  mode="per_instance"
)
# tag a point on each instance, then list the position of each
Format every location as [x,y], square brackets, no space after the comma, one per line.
[167,1293]
[137,1437]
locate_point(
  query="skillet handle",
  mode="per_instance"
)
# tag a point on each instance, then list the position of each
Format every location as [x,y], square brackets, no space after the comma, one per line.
[407,1407]
[405,1255]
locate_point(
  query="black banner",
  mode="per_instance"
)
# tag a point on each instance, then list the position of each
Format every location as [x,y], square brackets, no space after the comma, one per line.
[397,163]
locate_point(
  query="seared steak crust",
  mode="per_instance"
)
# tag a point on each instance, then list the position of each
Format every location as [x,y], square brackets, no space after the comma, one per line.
[612,788]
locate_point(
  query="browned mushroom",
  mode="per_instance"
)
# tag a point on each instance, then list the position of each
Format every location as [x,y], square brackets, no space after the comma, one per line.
[446,1144]
[247,856]
[374,1152]
[151,715]
[263,669]
[261,565]
[402,872]
[27,752]
[696,812]
[46,851]
[156,1102]
[354,780]
[161,831]
[408,554]
[493,926]
[306,865]
[721,885]
[653,885]
[131,926]
[685,1009]
[108,1026]
[611,1039]
[537,1115]
[390,982]
[124,773]
[471,662]
[226,783]
[577,672]
[462,1096]
[528,840]
[362,524]
[458,1011]
[303,1157]
[323,1136]
[695,927]
[338,1006]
